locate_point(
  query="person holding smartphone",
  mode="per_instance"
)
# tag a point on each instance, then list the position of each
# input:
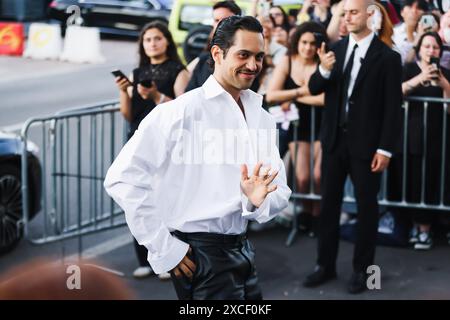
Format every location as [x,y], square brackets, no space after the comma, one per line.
[429,22]
[406,34]
[289,84]
[424,78]
[160,77]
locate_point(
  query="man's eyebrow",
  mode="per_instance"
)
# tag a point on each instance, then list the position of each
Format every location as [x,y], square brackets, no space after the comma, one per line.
[244,51]
[250,52]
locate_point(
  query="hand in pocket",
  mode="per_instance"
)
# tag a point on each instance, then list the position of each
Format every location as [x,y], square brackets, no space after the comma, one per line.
[186,267]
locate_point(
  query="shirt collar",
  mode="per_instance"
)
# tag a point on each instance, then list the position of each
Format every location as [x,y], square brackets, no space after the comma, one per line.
[251,100]
[212,89]
[363,44]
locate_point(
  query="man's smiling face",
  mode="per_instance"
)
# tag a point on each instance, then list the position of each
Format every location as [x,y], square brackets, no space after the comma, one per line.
[239,66]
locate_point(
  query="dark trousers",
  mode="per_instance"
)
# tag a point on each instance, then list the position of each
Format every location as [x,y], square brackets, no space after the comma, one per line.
[225,268]
[284,138]
[336,166]
[141,253]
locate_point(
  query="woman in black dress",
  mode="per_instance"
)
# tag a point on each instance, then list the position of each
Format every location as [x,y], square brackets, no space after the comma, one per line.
[423,79]
[289,84]
[160,77]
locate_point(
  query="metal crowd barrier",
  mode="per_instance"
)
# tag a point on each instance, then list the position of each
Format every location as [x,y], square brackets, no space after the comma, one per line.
[384,198]
[77,147]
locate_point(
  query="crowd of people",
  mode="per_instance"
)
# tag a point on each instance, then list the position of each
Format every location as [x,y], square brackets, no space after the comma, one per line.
[294,46]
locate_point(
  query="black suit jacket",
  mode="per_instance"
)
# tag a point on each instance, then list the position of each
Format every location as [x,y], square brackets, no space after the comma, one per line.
[374,105]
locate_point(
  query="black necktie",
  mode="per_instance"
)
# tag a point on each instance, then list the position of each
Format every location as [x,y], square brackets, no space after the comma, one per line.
[345,84]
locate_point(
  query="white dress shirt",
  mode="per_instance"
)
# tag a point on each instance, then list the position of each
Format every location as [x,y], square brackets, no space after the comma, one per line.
[181,170]
[360,54]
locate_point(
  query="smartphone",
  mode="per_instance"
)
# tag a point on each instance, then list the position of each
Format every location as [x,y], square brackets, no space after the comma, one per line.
[118,73]
[265,7]
[145,78]
[428,21]
[435,61]
[146,83]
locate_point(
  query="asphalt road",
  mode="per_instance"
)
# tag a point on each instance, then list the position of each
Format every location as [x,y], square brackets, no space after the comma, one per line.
[405,274]
[30,88]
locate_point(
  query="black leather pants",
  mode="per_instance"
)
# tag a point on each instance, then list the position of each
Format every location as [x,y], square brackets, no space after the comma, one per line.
[225,268]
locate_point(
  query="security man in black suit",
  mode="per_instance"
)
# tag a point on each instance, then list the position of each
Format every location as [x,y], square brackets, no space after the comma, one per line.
[361,78]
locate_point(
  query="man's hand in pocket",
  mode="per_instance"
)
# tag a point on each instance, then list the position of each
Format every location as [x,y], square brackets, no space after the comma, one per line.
[185,267]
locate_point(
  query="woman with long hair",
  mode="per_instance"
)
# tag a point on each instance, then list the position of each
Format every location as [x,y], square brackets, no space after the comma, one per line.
[160,76]
[280,18]
[290,84]
[380,23]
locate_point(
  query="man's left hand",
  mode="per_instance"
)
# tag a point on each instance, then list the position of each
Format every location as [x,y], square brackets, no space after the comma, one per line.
[379,162]
[257,187]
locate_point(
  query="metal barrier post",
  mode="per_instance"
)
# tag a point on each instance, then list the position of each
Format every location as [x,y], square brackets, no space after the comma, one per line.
[67,218]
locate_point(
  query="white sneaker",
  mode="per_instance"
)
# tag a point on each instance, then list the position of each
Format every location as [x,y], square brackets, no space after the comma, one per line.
[414,235]
[142,272]
[164,276]
[425,241]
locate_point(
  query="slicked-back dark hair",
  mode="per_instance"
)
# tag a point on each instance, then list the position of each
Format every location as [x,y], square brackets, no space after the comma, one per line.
[230,5]
[226,29]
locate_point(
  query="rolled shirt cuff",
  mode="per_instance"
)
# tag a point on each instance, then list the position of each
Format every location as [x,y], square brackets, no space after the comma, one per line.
[174,255]
[384,153]
[324,73]
[250,212]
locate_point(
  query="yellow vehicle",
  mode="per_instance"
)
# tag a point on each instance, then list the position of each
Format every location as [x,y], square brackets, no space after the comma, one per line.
[195,17]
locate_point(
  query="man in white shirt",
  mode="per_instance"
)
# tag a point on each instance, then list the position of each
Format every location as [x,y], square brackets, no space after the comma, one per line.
[183,179]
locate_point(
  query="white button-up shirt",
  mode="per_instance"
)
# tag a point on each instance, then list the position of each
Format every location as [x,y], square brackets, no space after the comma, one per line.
[181,170]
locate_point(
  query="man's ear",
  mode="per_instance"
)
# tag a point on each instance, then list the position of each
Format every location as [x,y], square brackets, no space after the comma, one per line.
[217,54]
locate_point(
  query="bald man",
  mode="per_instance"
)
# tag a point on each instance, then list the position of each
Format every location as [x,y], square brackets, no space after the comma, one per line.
[361,78]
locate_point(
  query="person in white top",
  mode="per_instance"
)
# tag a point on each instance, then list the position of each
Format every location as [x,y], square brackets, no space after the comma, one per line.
[199,168]
[408,33]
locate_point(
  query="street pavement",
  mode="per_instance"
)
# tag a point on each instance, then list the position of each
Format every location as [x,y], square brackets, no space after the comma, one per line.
[405,274]
[30,88]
